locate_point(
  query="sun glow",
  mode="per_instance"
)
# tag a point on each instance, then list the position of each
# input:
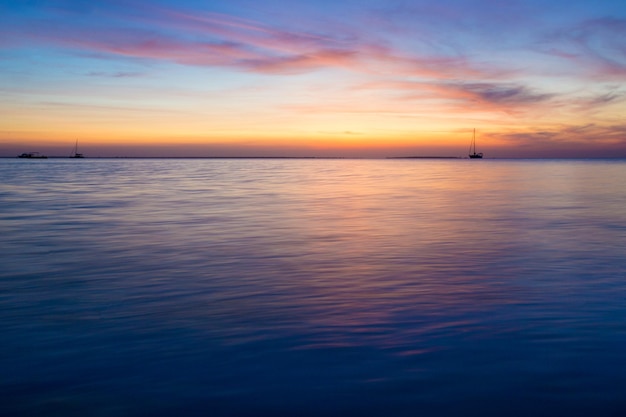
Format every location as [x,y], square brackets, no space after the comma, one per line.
[161,78]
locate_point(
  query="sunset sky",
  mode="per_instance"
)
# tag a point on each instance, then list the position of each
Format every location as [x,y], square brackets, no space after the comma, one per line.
[362,78]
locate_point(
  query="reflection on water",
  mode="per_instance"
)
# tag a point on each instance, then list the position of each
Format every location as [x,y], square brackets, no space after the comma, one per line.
[308,287]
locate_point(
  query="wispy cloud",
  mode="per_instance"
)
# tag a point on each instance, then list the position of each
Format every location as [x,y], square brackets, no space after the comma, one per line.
[424,40]
[498,94]
[339,133]
[466,95]
[588,133]
[114,74]
[599,101]
[594,46]
[213,39]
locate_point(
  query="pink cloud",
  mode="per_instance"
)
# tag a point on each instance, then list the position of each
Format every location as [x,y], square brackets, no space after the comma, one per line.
[294,64]
[253,34]
[212,39]
[590,134]
[467,96]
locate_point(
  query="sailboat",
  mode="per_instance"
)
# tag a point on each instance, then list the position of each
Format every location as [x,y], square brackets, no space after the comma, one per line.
[472,150]
[75,153]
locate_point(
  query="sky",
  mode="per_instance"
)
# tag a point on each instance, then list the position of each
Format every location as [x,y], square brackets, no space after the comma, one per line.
[353,78]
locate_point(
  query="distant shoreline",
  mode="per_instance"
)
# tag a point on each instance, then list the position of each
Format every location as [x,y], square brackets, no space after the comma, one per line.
[321,157]
[425,157]
[250,157]
[193,157]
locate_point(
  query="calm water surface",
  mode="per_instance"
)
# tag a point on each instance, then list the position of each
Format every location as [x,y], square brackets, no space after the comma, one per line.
[235,287]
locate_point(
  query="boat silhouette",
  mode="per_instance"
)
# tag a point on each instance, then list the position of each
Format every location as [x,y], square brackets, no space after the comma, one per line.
[75,153]
[473,154]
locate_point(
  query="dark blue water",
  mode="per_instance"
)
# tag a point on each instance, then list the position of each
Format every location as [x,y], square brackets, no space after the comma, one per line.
[312,287]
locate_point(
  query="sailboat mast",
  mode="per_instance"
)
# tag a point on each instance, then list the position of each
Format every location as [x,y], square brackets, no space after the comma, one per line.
[474,140]
[472,148]
[75,153]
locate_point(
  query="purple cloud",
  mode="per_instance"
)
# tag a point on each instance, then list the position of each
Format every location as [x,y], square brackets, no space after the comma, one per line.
[588,133]
[507,94]
[213,39]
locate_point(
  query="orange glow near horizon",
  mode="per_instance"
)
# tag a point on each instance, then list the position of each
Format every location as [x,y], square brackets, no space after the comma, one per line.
[154,80]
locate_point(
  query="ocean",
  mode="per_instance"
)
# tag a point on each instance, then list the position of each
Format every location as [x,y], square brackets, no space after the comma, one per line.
[312,287]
